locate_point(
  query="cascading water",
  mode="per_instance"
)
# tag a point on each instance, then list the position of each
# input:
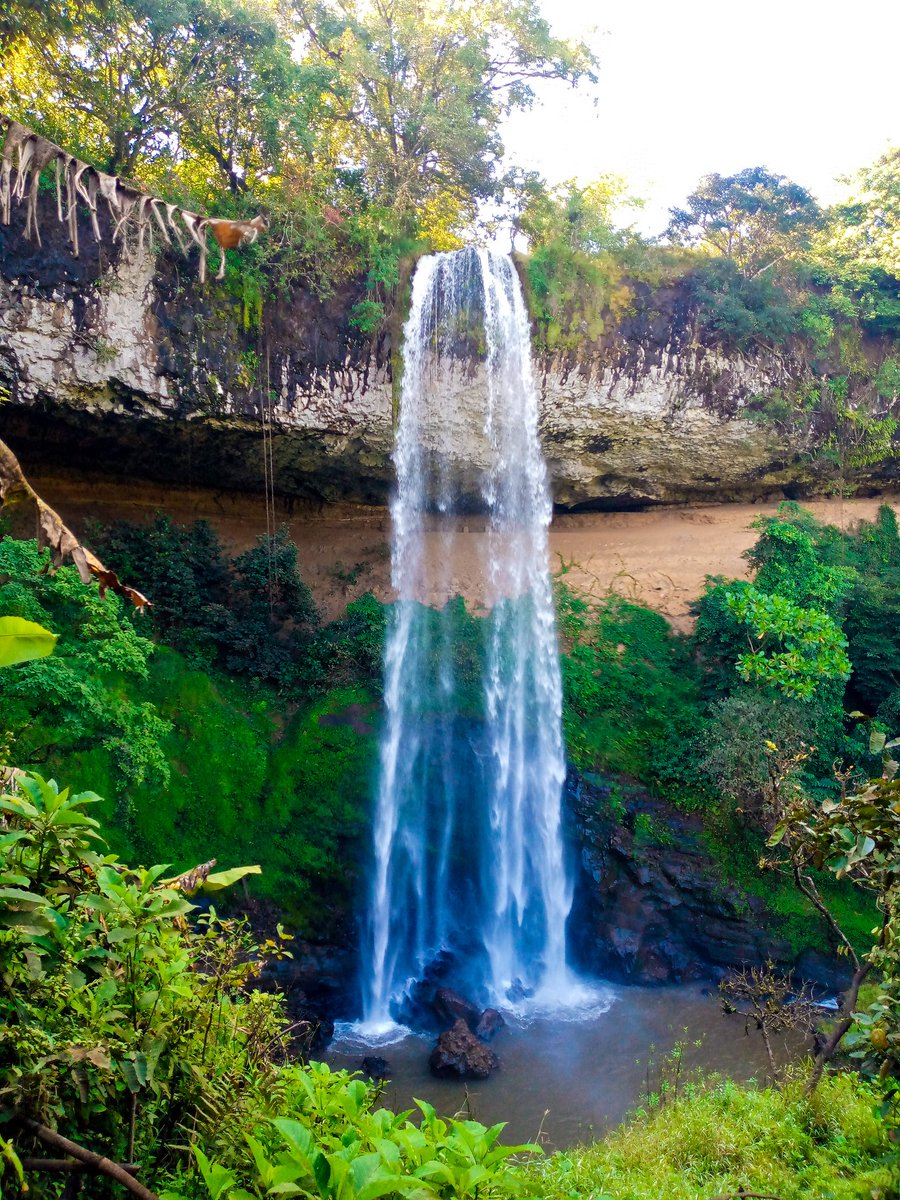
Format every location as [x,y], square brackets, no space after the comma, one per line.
[468,848]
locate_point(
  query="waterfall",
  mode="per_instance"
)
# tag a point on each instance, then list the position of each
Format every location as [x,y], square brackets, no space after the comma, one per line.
[467,841]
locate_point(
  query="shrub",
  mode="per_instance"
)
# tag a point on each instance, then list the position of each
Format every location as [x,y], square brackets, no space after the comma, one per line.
[631,695]
[252,615]
[78,697]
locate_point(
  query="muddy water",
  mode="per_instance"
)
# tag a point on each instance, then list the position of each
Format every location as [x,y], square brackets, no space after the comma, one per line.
[563,1081]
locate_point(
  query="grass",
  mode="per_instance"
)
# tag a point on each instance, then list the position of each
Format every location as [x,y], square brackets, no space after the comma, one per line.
[720,1139]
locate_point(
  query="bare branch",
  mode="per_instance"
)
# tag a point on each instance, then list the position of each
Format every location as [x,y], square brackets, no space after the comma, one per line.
[95,1162]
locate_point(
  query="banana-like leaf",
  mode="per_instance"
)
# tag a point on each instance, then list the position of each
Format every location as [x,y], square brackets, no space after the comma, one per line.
[21,641]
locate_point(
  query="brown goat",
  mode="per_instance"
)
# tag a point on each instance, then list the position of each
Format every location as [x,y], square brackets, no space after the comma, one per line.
[231,234]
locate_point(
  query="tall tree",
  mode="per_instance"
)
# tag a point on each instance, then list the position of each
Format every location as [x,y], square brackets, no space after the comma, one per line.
[583,218]
[868,224]
[207,88]
[243,101]
[754,218]
[421,87]
[93,76]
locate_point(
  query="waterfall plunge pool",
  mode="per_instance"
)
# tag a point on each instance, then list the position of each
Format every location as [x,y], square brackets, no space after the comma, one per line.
[568,1076]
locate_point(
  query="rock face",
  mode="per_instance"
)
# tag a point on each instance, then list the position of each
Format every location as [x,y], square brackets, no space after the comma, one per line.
[129,365]
[489,1024]
[449,1007]
[459,1054]
[648,913]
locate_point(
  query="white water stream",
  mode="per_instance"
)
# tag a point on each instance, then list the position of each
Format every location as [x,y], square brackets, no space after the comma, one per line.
[468,849]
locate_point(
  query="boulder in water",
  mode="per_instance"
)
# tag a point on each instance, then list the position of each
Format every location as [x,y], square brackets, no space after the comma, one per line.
[450,1006]
[459,1054]
[378,1069]
[489,1024]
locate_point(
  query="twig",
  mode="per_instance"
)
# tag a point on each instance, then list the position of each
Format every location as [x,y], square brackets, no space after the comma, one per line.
[745,1196]
[67,1164]
[96,1161]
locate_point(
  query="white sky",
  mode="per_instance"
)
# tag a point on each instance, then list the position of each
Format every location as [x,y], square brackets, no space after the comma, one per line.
[807,88]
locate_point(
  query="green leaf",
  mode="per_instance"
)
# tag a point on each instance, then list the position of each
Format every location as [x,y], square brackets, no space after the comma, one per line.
[224,879]
[321,1172]
[23,897]
[137,1070]
[217,1178]
[121,933]
[297,1136]
[21,641]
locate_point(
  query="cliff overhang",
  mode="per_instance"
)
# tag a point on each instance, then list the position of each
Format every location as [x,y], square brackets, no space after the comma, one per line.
[127,364]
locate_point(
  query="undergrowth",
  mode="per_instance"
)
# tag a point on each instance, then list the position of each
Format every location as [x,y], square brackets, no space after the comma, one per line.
[724,1140]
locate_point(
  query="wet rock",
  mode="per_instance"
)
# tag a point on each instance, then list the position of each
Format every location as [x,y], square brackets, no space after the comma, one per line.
[489,1024]
[519,991]
[459,1054]
[378,1069]
[656,914]
[450,1006]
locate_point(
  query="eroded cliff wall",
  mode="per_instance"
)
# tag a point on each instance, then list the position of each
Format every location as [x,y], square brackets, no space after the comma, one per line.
[124,363]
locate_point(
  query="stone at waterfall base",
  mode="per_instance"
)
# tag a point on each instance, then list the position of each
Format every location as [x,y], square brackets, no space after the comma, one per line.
[489,1024]
[459,1054]
[377,1068]
[450,1006]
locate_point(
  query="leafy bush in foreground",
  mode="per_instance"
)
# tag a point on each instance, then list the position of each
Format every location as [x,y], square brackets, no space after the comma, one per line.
[139,1036]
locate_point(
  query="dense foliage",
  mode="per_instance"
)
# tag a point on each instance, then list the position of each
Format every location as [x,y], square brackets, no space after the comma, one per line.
[132,1026]
[251,615]
[186,754]
[78,697]
[130,1023]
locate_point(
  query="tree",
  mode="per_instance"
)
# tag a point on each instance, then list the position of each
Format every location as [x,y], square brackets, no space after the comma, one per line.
[580,217]
[95,77]
[253,614]
[247,105]
[754,218]
[420,88]
[208,89]
[866,227]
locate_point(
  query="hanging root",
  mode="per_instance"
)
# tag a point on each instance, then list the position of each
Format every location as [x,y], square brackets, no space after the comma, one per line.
[42,154]
[87,190]
[160,220]
[17,136]
[196,227]
[25,154]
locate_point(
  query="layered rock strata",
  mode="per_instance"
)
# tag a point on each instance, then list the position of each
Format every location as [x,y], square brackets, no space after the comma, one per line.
[111,361]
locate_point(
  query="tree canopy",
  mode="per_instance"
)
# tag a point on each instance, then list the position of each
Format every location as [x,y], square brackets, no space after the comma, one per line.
[419,89]
[754,217]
